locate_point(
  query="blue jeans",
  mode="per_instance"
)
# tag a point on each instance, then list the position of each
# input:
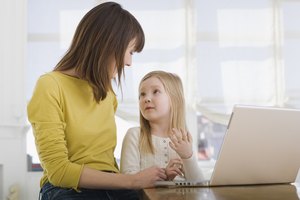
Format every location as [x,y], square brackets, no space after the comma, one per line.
[50,192]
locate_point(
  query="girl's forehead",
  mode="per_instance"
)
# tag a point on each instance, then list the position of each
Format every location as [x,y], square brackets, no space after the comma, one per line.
[151,82]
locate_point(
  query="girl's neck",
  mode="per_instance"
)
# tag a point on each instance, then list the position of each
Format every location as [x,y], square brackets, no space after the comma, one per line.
[161,130]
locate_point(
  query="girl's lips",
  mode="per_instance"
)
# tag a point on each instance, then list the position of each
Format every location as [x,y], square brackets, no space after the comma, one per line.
[148,108]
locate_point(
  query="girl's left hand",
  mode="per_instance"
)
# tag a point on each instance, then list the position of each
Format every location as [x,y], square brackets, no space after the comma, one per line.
[174,168]
[181,143]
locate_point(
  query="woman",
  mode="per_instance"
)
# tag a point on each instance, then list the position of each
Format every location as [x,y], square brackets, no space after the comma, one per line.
[72,111]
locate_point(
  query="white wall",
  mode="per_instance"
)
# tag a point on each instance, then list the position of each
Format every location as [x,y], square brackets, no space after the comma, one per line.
[33,182]
[12,102]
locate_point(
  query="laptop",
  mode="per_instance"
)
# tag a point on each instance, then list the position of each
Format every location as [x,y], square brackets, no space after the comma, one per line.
[260,146]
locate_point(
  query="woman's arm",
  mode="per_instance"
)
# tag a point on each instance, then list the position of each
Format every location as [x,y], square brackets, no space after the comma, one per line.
[47,120]
[95,179]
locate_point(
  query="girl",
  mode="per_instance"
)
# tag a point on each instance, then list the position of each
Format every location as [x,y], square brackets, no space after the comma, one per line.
[72,111]
[162,139]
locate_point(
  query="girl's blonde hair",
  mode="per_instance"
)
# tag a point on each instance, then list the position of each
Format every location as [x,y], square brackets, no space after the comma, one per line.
[174,89]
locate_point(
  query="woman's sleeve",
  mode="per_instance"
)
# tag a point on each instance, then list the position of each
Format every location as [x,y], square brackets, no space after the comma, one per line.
[45,113]
[192,171]
[115,103]
[130,154]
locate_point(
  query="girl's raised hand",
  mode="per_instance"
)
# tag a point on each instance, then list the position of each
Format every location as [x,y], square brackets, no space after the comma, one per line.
[181,142]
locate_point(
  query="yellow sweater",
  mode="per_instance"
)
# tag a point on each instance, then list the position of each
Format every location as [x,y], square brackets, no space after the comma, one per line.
[71,130]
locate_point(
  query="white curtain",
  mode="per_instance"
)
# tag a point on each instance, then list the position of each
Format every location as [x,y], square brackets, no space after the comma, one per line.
[245,54]
[226,52]
[164,24]
[234,48]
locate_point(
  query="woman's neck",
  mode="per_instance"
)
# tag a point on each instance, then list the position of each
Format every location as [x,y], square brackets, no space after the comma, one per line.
[70,72]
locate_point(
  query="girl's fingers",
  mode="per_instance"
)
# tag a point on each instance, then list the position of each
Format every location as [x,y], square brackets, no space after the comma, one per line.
[175,171]
[173,138]
[171,144]
[189,137]
[177,134]
[174,162]
[178,171]
[184,135]
[172,173]
[180,135]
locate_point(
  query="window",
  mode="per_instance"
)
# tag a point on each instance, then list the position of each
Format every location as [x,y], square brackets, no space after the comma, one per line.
[245,53]
[226,52]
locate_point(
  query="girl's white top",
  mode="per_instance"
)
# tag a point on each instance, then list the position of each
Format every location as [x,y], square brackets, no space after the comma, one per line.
[133,161]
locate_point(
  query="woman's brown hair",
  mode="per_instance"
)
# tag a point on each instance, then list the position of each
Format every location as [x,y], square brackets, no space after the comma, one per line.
[100,40]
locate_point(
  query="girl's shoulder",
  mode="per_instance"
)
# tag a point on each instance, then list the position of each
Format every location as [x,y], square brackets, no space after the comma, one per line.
[132,135]
[134,131]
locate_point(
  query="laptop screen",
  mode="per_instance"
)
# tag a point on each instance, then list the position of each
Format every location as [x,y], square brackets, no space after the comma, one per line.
[261,146]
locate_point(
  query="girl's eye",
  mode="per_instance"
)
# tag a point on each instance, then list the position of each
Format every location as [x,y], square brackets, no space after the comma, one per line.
[142,95]
[156,91]
[131,53]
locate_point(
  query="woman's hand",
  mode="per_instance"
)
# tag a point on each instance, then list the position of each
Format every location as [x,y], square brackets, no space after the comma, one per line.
[174,168]
[147,177]
[181,142]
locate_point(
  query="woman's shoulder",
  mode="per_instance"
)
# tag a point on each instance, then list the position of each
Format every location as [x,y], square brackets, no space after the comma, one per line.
[57,77]
[46,82]
[47,77]
[46,88]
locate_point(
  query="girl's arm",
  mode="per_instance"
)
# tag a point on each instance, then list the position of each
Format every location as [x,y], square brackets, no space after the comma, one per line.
[192,171]
[130,154]
[182,143]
